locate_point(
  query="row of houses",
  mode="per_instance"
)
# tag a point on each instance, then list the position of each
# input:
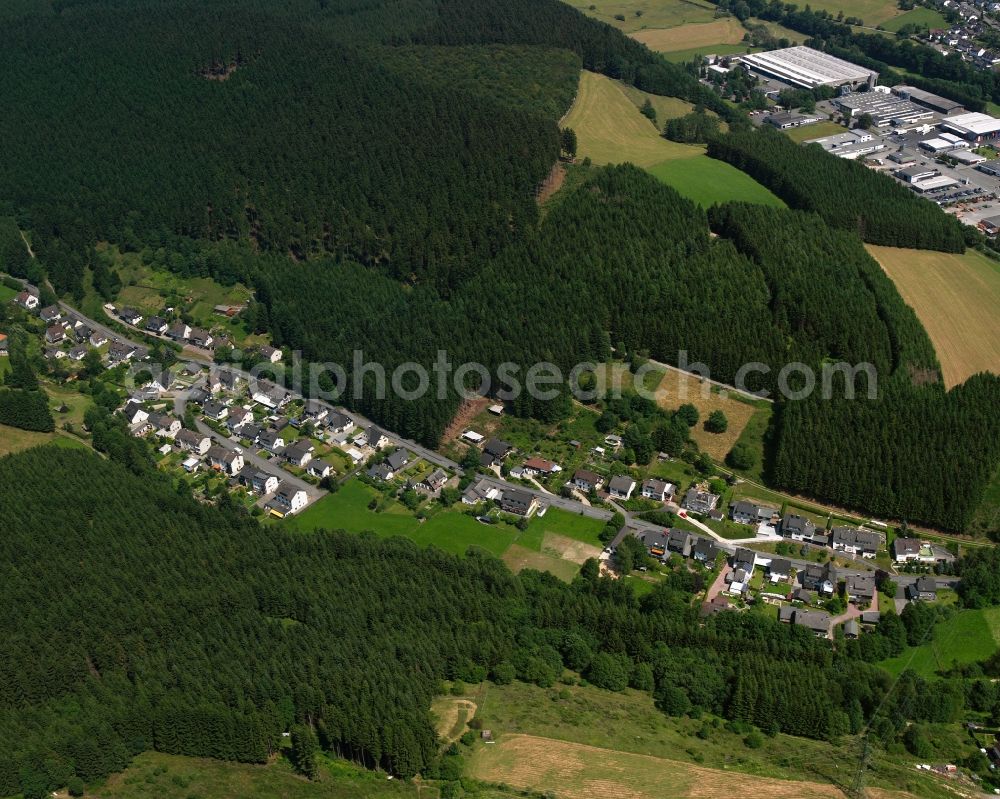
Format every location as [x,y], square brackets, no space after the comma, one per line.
[681,542]
[510,500]
[622,486]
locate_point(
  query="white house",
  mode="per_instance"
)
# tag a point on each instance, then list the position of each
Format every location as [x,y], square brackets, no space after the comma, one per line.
[134,413]
[621,487]
[287,500]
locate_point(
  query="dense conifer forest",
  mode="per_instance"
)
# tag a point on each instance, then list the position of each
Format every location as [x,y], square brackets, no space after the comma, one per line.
[370,168]
[141,619]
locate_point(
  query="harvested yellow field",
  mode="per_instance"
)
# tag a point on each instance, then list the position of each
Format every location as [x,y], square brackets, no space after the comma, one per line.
[577,771]
[610,129]
[565,548]
[957,298]
[688,37]
[452,717]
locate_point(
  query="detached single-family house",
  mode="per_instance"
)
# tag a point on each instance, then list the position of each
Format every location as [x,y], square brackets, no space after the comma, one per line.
[299,453]
[314,411]
[194,442]
[925,589]
[319,468]
[287,500]
[494,451]
[656,544]
[745,559]
[743,512]
[200,338]
[535,466]
[229,379]
[338,423]
[134,413]
[779,569]
[705,551]
[156,324]
[700,501]
[130,316]
[119,351]
[225,460]
[658,490]
[263,482]
[375,438]
[816,621]
[860,589]
[78,353]
[272,441]
[855,542]
[98,339]
[381,471]
[621,487]
[238,418]
[165,425]
[521,503]
[480,491]
[434,481]
[269,395]
[613,441]
[820,578]
[50,314]
[271,354]
[27,300]
[179,331]
[797,527]
[55,333]
[680,541]
[397,459]
[215,410]
[587,480]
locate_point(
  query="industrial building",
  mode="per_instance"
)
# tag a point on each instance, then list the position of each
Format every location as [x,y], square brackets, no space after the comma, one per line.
[973,127]
[989,168]
[914,174]
[808,68]
[944,143]
[882,107]
[783,120]
[934,102]
[965,157]
[850,144]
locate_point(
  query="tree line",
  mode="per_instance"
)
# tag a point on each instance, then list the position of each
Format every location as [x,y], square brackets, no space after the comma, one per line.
[192,629]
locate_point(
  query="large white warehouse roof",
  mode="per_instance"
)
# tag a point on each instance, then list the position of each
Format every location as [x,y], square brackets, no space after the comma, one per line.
[973,123]
[808,68]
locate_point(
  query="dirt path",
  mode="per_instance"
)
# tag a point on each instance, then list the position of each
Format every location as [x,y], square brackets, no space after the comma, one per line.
[27,243]
[467,411]
[552,183]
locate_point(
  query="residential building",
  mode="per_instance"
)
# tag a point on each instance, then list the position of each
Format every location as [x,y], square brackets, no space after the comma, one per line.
[381,471]
[299,453]
[870,617]
[851,629]
[924,589]
[705,551]
[375,438]
[518,502]
[315,411]
[587,480]
[263,483]
[156,324]
[119,351]
[855,542]
[271,440]
[397,459]
[681,541]
[27,300]
[215,410]
[658,490]
[816,621]
[319,468]
[165,425]
[55,333]
[534,466]
[271,354]
[194,442]
[338,422]
[225,460]
[238,418]
[229,379]
[745,559]
[906,550]
[479,491]
[621,487]
[287,500]
[50,314]
[98,339]
[134,413]
[860,589]
[699,500]
[797,527]
[269,395]
[743,512]
[130,316]
[434,481]
[657,544]
[821,578]
[200,338]
[78,353]
[779,569]
[494,451]
[179,331]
